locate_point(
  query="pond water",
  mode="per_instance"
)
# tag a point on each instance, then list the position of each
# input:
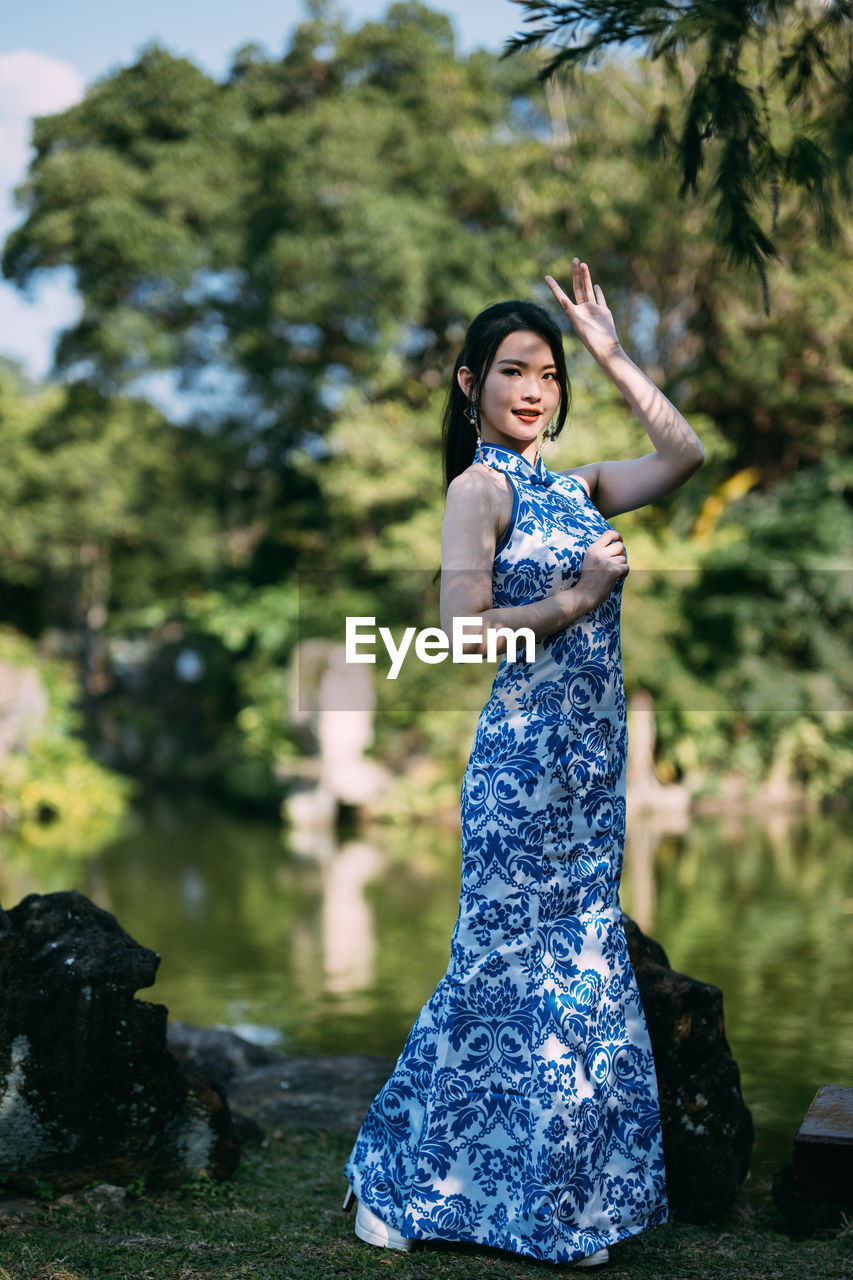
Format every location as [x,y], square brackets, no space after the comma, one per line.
[337,953]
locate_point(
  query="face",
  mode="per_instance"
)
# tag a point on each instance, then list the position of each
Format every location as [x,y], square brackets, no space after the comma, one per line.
[520,393]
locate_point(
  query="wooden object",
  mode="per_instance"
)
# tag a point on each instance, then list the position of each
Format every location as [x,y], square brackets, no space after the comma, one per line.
[823,1148]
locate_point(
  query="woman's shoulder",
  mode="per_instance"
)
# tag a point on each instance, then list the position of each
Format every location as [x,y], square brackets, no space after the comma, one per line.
[479,497]
[479,482]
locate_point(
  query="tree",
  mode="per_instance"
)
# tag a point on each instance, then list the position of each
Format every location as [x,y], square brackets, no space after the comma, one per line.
[310,224]
[102,503]
[309,237]
[723,60]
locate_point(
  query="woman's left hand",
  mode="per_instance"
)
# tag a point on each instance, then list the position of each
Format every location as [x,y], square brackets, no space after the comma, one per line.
[590,315]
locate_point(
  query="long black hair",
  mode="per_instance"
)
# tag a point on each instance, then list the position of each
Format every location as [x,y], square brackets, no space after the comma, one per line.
[485,334]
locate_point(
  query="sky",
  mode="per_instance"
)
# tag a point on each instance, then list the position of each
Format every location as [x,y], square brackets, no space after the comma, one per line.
[50,50]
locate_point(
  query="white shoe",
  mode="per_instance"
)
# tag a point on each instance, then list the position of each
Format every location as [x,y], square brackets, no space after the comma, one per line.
[372,1229]
[596,1259]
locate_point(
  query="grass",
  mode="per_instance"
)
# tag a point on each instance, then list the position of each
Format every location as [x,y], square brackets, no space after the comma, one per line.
[280,1219]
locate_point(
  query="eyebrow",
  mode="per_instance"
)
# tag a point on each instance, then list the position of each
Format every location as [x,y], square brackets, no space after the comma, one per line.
[514,360]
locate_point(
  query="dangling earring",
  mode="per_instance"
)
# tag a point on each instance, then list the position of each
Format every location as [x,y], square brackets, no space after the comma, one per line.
[546,436]
[474,419]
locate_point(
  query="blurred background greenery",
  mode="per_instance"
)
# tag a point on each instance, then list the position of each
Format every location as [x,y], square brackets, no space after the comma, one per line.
[240,446]
[275,272]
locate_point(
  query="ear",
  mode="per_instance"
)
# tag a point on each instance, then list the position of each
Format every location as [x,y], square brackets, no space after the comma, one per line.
[465,378]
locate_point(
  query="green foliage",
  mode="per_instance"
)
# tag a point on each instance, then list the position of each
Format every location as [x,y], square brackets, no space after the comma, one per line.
[723,63]
[307,239]
[137,1189]
[771,628]
[57,802]
[206,1190]
[95,477]
[291,225]
[258,628]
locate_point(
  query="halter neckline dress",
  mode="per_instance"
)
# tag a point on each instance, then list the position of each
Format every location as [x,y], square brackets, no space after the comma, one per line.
[523,1110]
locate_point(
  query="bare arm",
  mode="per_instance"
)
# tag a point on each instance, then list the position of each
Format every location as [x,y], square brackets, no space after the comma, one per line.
[468,539]
[618,486]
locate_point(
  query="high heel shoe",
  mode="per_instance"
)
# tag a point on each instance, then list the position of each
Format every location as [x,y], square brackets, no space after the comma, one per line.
[372,1229]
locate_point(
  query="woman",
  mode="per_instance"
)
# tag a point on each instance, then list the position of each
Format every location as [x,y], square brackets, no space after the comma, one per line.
[523,1110]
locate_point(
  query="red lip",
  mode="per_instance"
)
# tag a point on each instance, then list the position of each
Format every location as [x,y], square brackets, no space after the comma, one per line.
[527,413]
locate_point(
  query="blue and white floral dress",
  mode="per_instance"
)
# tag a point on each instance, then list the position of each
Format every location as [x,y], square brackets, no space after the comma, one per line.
[523,1110]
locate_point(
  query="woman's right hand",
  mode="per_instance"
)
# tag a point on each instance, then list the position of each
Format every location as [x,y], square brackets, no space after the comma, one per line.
[604,564]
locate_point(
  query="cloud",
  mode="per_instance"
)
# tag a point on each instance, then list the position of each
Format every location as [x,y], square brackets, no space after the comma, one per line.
[31,84]
[29,323]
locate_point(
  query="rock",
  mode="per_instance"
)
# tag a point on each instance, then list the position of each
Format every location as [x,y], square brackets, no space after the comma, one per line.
[220,1056]
[104,1198]
[707,1127]
[15,1213]
[11,943]
[217,1053]
[88,1088]
[312,1093]
[249,1132]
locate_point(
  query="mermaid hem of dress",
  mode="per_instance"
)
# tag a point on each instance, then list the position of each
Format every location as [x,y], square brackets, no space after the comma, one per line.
[521,1246]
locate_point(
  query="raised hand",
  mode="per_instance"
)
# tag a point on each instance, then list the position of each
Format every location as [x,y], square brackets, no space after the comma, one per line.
[590,316]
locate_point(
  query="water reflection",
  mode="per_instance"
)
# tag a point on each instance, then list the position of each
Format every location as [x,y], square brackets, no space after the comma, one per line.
[348,934]
[335,950]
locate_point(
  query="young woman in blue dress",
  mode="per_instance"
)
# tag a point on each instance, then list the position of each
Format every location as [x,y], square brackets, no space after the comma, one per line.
[509,383]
